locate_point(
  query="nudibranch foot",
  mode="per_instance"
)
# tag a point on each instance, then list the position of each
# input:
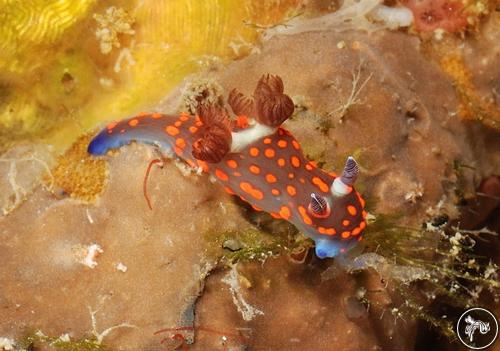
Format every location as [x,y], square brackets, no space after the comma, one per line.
[259,161]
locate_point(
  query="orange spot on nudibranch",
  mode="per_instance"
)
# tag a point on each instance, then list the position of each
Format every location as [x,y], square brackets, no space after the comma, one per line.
[275,192]
[362,225]
[142,114]
[320,184]
[281,162]
[254,169]
[269,153]
[305,217]
[180,143]
[171,130]
[133,122]
[193,129]
[256,208]
[221,174]
[229,191]
[282,143]
[345,234]
[322,230]
[232,164]
[295,145]
[112,125]
[249,189]
[285,212]
[178,123]
[361,200]
[352,210]
[346,222]
[309,167]
[237,174]
[295,161]
[267,141]
[271,178]
[254,152]
[198,123]
[291,175]
[330,231]
[364,214]
[156,115]
[275,215]
[291,190]
[356,231]
[184,117]
[203,165]
[302,180]
[242,122]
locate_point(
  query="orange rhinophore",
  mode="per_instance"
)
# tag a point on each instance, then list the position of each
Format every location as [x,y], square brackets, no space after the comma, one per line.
[258,160]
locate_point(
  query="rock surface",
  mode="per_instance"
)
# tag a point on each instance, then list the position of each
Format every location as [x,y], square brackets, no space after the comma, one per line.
[46,276]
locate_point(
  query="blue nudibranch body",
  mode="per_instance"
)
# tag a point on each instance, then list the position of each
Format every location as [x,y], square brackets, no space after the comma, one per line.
[262,163]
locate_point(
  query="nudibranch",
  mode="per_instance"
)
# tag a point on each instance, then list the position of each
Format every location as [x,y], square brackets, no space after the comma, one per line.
[256,159]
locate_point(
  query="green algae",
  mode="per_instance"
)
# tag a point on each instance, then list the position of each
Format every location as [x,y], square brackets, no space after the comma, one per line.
[36,339]
[448,271]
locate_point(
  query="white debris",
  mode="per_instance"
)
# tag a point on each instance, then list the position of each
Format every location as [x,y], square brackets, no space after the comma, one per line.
[6,344]
[100,336]
[121,267]
[89,217]
[93,251]
[125,54]
[392,17]
[65,337]
[248,312]
[415,193]
[106,82]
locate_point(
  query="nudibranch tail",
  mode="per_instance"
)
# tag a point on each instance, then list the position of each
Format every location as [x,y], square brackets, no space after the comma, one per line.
[144,128]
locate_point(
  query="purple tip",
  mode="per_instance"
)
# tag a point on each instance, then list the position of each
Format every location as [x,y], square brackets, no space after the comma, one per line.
[350,172]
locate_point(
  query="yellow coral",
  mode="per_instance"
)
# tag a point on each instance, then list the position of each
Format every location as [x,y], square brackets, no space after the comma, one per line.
[59,82]
[28,28]
[78,174]
[472,106]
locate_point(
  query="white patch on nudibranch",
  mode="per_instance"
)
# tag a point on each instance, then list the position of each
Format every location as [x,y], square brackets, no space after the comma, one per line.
[339,189]
[249,136]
